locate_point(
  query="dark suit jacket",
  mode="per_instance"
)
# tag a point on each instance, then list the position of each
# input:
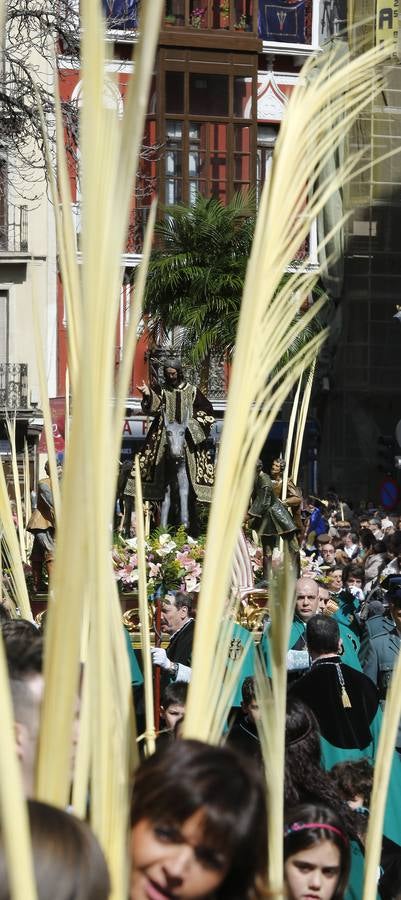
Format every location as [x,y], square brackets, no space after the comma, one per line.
[179,649]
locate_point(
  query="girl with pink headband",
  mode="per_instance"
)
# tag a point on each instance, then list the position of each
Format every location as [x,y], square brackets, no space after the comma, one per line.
[316,854]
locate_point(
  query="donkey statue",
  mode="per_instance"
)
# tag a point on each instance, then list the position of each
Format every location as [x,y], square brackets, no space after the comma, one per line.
[177,480]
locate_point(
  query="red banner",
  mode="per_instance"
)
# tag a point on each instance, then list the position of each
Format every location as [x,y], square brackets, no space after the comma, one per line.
[57,409]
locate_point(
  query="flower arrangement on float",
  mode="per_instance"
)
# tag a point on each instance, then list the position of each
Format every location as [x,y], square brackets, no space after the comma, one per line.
[173,561]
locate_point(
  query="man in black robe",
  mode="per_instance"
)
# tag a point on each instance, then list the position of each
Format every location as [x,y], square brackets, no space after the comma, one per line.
[346,705]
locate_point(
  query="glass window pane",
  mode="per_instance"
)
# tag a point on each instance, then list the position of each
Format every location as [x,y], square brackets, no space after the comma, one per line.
[174,131]
[173,162]
[196,162]
[242,97]
[174,92]
[194,132]
[152,97]
[218,137]
[196,187]
[208,95]
[218,166]
[173,191]
[242,166]
[242,138]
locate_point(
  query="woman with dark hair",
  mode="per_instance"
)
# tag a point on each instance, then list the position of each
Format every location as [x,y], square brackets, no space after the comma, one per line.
[316,854]
[305,779]
[199,826]
[68,861]
[307,782]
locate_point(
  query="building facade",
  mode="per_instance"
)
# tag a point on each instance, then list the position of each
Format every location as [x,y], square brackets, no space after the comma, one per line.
[28,270]
[223,73]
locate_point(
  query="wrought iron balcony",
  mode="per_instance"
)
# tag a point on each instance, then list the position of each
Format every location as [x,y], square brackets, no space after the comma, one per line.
[13,386]
[14,229]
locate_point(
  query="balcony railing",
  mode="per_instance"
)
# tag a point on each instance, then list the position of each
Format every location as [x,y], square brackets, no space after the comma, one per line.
[14,229]
[13,386]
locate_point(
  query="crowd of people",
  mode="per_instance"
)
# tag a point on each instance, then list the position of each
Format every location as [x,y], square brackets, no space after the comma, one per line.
[199,812]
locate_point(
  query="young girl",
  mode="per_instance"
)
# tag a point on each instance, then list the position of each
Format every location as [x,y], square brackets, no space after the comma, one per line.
[316,854]
[199,829]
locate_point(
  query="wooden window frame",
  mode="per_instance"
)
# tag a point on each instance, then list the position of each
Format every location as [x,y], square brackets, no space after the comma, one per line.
[207,63]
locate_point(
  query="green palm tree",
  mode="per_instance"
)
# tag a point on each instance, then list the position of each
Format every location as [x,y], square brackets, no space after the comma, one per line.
[196,275]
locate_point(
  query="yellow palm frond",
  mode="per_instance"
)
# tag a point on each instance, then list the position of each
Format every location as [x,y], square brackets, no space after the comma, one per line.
[324,100]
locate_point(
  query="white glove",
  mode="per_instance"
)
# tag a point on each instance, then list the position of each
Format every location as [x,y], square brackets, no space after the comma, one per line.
[184,673]
[160,658]
[357,592]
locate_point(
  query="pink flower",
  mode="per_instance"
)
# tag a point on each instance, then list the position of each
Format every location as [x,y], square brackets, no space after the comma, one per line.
[189,564]
[183,558]
[154,569]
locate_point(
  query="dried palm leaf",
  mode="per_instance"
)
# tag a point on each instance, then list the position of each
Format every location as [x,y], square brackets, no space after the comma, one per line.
[82,761]
[303,414]
[319,111]
[83,574]
[67,407]
[27,485]
[290,436]
[271,696]
[144,616]
[382,769]
[12,551]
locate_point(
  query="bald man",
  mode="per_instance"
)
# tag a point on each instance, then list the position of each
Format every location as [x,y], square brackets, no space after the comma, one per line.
[306,606]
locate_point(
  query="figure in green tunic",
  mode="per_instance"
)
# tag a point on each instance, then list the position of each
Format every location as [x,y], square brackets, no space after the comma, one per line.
[270,518]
